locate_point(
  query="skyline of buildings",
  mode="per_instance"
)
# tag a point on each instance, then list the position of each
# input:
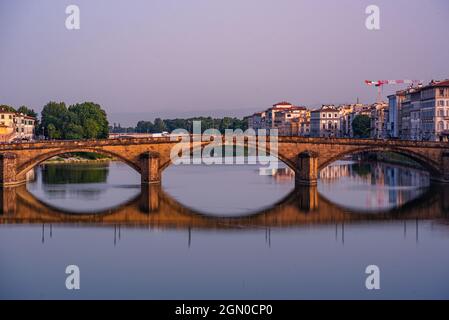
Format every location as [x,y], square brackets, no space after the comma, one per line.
[416,113]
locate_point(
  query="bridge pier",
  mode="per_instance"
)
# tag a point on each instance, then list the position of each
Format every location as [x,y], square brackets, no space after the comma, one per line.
[8,171]
[445,166]
[306,169]
[150,198]
[307,198]
[8,203]
[443,175]
[150,168]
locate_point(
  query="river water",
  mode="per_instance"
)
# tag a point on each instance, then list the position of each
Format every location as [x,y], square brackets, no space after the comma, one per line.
[213,232]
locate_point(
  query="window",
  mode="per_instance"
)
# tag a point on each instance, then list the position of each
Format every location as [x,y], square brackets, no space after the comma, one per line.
[440,103]
[3,116]
[336,115]
[10,116]
[440,126]
[440,112]
[324,115]
[441,92]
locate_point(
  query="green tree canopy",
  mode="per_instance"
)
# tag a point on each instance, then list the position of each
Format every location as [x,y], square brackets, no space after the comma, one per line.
[27,111]
[7,108]
[80,121]
[361,126]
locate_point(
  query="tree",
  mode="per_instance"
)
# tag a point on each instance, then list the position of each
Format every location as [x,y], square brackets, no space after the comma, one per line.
[52,132]
[27,111]
[53,119]
[159,125]
[74,132]
[144,127]
[92,118]
[80,121]
[361,126]
[187,124]
[7,108]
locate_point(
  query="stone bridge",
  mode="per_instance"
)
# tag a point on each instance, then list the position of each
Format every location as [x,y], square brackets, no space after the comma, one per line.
[154,208]
[149,156]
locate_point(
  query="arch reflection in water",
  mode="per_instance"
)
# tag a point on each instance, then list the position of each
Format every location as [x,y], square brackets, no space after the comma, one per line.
[370,186]
[84,187]
[155,208]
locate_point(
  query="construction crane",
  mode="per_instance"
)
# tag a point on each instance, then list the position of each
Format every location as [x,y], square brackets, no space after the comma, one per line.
[380,83]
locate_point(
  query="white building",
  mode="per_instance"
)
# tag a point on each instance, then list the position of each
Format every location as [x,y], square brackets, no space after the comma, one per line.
[325,122]
[24,126]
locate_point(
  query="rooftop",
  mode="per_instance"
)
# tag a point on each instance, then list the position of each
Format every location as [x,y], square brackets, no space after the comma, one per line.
[283,103]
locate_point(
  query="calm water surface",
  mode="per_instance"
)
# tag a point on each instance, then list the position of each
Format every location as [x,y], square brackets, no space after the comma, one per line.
[225,232]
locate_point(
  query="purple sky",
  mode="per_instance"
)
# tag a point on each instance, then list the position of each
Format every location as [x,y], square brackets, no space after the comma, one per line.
[168,58]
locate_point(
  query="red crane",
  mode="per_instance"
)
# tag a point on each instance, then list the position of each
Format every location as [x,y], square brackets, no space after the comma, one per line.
[380,83]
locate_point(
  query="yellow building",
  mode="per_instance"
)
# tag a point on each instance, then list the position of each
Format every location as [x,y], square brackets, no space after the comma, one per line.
[15,126]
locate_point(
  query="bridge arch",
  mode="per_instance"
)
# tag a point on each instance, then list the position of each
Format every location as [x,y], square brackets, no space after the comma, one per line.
[27,166]
[427,163]
[279,156]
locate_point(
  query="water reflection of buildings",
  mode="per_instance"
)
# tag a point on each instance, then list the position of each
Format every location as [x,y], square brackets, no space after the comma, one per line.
[393,185]
[281,174]
[376,173]
[384,185]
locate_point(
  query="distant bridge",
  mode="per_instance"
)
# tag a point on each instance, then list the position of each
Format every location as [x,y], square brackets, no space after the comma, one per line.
[149,156]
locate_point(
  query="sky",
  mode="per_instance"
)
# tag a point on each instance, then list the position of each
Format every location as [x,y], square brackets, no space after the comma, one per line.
[143,59]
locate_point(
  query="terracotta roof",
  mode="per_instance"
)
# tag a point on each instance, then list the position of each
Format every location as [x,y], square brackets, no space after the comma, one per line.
[283,103]
[444,83]
[299,108]
[326,108]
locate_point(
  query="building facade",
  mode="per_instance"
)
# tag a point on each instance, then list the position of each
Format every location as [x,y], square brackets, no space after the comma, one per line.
[422,112]
[288,119]
[394,127]
[379,120]
[325,122]
[15,126]
[24,126]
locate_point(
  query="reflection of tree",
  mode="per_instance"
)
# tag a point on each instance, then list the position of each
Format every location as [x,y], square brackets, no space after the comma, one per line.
[362,169]
[69,173]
